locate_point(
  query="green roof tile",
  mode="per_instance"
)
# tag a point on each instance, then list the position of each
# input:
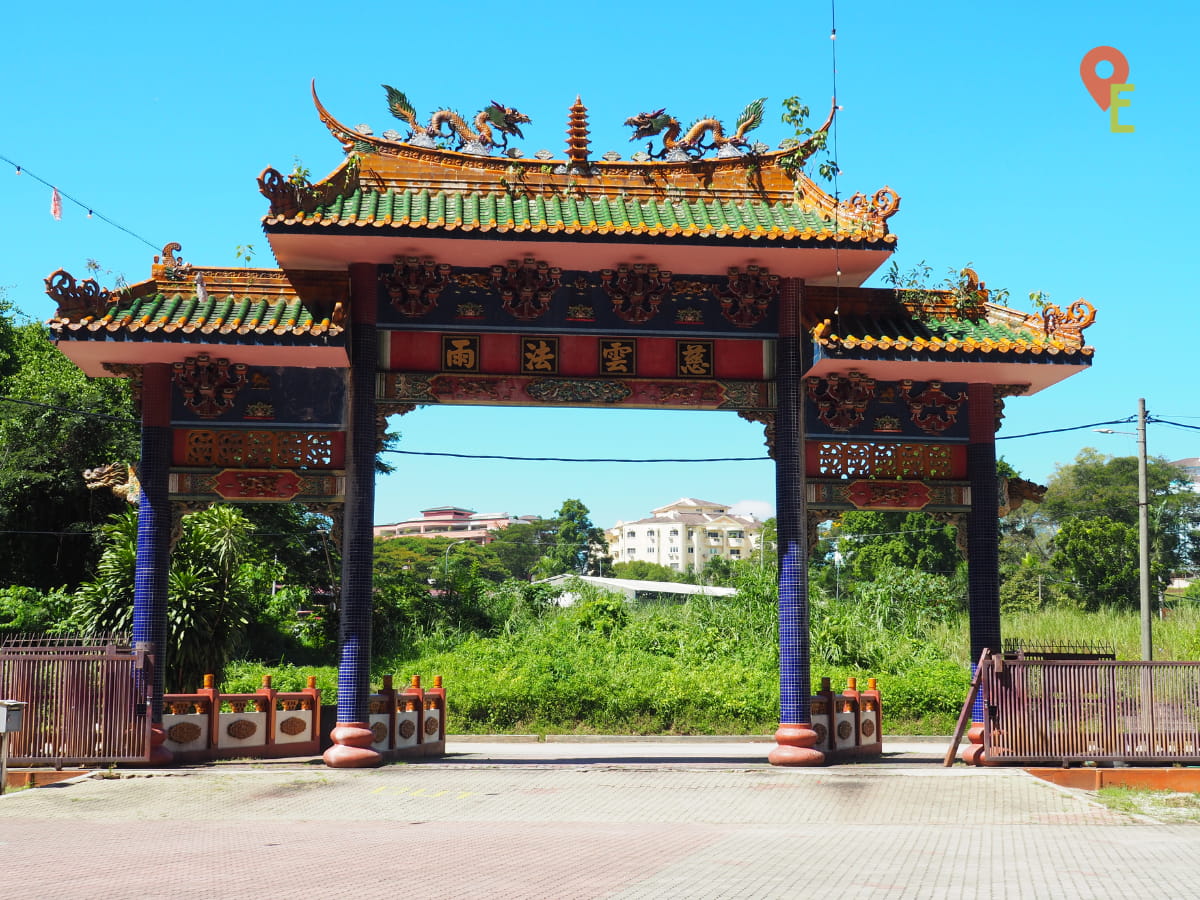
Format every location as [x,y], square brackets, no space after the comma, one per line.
[539,212]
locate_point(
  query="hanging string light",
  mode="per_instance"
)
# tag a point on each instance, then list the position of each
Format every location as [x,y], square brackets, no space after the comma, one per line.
[57,196]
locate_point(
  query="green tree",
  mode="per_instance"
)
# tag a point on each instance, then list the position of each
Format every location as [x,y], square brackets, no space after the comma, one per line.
[210,591]
[434,560]
[1101,556]
[644,570]
[54,423]
[1105,488]
[579,546]
[870,543]
[520,545]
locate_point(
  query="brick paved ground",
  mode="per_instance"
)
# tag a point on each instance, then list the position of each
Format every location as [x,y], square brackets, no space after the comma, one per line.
[663,820]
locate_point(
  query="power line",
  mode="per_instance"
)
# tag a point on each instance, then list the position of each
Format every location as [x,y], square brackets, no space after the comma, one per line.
[71,410]
[576,459]
[91,210]
[724,459]
[1128,420]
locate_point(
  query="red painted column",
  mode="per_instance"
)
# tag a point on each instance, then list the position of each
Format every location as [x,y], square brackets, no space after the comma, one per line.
[352,736]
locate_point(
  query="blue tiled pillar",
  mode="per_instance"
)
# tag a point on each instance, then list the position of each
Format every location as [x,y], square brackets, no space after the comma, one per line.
[153,560]
[151,567]
[983,540]
[795,736]
[352,738]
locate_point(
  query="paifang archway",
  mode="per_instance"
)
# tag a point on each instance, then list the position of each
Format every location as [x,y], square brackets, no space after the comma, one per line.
[415,274]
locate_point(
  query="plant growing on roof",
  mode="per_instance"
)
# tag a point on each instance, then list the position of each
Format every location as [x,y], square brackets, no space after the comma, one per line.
[806,141]
[960,293]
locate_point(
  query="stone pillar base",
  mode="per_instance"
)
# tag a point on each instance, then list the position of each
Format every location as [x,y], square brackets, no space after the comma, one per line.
[972,753]
[159,755]
[794,747]
[352,747]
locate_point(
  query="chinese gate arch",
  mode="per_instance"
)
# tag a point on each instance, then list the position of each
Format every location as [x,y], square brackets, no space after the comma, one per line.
[711,275]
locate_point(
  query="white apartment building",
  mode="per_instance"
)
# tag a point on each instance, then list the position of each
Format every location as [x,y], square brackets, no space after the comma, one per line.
[685,535]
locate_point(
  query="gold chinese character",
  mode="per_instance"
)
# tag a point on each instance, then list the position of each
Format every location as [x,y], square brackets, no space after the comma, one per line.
[694,359]
[539,357]
[616,356]
[460,354]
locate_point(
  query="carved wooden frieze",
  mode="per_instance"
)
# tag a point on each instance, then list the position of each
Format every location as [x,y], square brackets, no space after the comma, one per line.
[414,284]
[636,291]
[208,387]
[858,406]
[526,288]
[747,296]
[523,390]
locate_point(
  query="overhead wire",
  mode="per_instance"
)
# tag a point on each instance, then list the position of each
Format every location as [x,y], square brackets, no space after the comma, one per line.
[567,459]
[91,210]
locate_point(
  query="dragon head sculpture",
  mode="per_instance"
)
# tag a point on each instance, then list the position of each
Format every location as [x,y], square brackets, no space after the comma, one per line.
[505,119]
[648,124]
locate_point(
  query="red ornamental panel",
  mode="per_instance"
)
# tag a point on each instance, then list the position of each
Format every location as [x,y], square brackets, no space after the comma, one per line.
[257,484]
[894,495]
[884,459]
[576,355]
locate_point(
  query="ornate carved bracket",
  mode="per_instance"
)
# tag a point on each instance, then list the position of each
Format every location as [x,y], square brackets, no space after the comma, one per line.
[841,401]
[767,420]
[289,194]
[636,291]
[414,284]
[77,299]
[999,392]
[1079,315]
[748,295]
[526,287]
[959,521]
[335,512]
[882,205]
[209,386]
[127,370]
[382,411]
[812,519]
[1013,492]
[179,509]
[171,268]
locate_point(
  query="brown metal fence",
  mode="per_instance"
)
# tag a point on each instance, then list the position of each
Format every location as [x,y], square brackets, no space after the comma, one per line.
[1064,711]
[88,700]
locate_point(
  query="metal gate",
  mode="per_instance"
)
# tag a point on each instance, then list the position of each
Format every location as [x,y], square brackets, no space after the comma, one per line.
[1064,711]
[88,700]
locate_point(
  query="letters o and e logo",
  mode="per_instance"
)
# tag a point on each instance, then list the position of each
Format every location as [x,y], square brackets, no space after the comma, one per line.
[1107,91]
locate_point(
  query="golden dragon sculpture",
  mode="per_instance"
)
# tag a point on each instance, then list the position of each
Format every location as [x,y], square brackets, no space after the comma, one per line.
[677,148]
[691,145]
[504,119]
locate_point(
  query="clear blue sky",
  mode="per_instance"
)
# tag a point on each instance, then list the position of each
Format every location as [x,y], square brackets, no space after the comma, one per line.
[161,118]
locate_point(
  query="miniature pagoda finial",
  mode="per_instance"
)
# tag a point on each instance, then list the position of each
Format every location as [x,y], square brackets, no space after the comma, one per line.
[577,135]
[649,124]
[504,119]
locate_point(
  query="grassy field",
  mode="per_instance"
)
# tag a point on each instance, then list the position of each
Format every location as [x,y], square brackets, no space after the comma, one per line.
[709,666]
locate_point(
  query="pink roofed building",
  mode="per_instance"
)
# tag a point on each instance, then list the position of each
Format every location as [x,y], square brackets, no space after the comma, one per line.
[452,522]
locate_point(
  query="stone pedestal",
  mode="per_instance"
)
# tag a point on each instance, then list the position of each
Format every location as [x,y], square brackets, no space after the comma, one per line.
[794,747]
[352,747]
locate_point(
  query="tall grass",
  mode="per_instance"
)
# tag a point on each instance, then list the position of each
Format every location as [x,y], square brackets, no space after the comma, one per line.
[711,665]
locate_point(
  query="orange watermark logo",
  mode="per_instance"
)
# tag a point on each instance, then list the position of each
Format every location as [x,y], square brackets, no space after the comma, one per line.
[1107,91]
